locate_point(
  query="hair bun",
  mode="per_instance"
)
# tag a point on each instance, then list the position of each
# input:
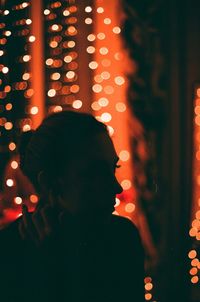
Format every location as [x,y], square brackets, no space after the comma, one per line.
[23,144]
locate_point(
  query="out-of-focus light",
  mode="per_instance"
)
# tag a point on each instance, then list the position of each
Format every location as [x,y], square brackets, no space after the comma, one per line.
[67,59]
[103,102]
[100,10]
[18,200]
[1,53]
[46,12]
[106,117]
[103,50]
[33,198]
[8,125]
[198,214]
[34,110]
[126,184]
[26,76]
[55,27]
[51,92]
[74,88]
[6,12]
[95,106]
[124,155]
[107,21]
[12,146]
[9,182]
[93,65]
[120,107]
[91,37]
[71,44]
[5,69]
[195,279]
[98,78]
[25,4]
[49,61]
[26,58]
[194,262]
[70,74]
[31,38]
[14,164]
[193,271]
[119,80]
[7,33]
[97,88]
[88,21]
[116,29]
[26,128]
[28,21]
[148,286]
[88,9]
[148,296]
[90,49]
[77,104]
[53,44]
[55,76]
[129,207]
[57,109]
[105,75]
[8,106]
[101,36]
[66,13]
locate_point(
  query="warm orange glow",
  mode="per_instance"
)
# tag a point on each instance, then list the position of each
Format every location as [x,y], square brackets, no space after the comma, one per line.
[148,296]
[129,207]
[8,106]
[14,164]
[148,286]
[34,198]
[124,155]
[103,102]
[192,254]
[126,184]
[194,262]
[195,279]
[8,125]
[12,146]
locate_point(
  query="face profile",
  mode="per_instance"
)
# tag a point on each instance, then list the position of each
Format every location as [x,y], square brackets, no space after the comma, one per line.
[72,161]
[89,185]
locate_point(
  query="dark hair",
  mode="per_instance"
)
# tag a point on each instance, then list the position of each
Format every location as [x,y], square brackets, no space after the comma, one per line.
[60,137]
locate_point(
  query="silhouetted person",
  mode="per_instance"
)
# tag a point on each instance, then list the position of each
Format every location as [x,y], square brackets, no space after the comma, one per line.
[71,248]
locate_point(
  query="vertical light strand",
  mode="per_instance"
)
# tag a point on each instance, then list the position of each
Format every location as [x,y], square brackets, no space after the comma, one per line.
[61,55]
[195,225]
[37,106]
[109,65]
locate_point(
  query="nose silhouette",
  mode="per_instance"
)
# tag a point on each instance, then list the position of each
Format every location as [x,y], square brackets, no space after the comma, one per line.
[117,187]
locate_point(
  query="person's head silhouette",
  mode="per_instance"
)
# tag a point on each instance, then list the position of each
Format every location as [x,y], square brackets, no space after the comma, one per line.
[71,161]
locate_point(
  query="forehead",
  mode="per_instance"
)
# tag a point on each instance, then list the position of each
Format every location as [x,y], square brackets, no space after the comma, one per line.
[101,148]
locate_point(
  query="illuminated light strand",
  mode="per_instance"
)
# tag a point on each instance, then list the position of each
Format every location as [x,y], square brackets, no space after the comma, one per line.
[195,223]
[62,41]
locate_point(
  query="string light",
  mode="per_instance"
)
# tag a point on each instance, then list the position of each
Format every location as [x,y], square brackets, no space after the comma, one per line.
[195,224]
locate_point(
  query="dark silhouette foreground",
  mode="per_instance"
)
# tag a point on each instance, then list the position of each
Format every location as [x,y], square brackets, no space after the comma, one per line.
[71,248]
